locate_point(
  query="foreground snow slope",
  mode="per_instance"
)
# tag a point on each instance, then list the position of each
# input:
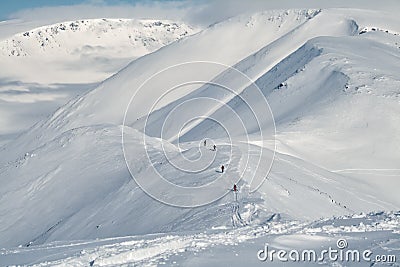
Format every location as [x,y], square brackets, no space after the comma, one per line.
[66,178]
[84,190]
[378,232]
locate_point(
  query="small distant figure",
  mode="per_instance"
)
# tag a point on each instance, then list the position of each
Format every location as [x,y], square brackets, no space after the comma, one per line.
[215,147]
[235,192]
[205,142]
[222,168]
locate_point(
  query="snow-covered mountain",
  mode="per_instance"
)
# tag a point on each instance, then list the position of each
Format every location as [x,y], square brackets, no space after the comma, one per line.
[68,48]
[331,82]
[121,37]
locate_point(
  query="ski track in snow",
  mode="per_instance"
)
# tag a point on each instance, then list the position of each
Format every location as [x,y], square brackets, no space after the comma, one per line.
[157,249]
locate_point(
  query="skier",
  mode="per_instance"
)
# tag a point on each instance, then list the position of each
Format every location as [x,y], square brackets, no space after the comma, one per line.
[205,142]
[222,168]
[235,191]
[215,147]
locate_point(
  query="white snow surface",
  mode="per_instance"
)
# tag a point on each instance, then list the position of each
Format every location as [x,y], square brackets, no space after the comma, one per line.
[376,232]
[332,82]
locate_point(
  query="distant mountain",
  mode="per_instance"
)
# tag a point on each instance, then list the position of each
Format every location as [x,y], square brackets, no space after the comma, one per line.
[84,50]
[94,37]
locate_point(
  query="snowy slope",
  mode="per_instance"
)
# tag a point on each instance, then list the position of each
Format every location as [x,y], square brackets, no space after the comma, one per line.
[106,201]
[355,74]
[255,66]
[321,96]
[378,232]
[208,45]
[205,46]
[67,179]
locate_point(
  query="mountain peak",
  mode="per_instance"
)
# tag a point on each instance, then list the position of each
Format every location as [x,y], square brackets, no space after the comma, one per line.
[92,35]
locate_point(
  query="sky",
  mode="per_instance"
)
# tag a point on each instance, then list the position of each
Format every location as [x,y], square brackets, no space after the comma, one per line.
[20,15]
[29,9]
[10,7]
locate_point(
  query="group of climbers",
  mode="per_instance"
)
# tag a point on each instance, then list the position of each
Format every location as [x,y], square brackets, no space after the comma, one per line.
[215,149]
[223,168]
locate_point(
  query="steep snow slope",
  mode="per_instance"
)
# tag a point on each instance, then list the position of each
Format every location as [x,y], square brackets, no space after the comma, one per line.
[353,112]
[321,97]
[254,66]
[74,160]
